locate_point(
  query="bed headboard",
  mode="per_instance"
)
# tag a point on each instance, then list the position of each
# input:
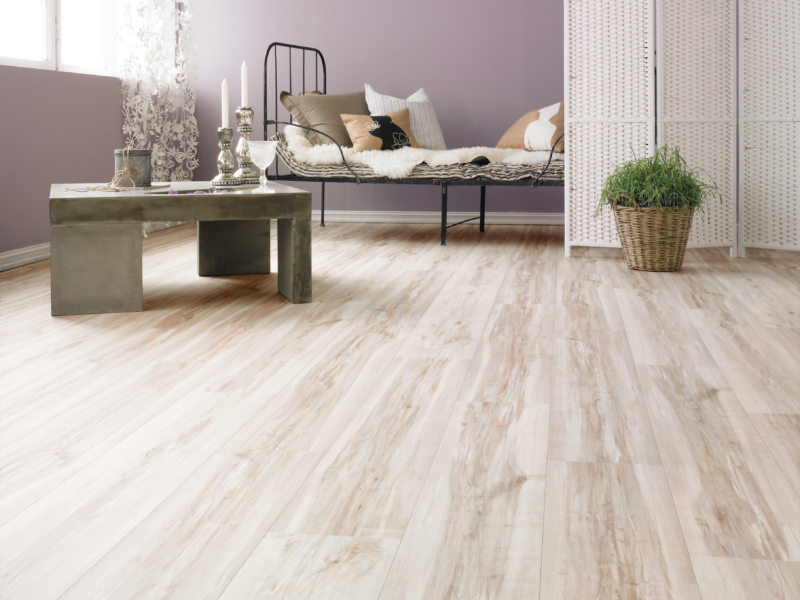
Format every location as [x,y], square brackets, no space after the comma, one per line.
[294,69]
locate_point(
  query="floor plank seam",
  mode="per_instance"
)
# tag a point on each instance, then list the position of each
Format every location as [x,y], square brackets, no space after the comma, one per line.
[145,517]
[266,534]
[667,479]
[434,455]
[198,469]
[435,422]
[544,499]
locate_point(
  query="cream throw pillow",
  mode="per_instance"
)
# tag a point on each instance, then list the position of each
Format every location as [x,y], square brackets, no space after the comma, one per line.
[424,124]
[536,130]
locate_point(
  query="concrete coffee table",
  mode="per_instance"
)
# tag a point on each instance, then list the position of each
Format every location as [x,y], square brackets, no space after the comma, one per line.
[96,240]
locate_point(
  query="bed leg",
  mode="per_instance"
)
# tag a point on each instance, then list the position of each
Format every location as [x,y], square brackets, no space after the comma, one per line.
[483,208]
[444,214]
[322,212]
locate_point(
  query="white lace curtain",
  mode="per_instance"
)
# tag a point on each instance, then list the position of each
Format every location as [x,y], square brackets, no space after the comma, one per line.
[155,55]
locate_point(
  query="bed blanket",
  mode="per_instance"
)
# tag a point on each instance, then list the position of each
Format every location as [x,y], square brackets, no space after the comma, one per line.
[397,164]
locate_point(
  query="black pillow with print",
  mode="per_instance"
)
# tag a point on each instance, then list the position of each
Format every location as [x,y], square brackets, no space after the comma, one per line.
[390,134]
[380,132]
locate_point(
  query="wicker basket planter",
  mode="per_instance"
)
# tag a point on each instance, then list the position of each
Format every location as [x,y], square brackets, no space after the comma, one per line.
[653,239]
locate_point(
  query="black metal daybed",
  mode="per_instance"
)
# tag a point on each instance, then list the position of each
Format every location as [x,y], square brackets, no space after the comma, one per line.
[549,173]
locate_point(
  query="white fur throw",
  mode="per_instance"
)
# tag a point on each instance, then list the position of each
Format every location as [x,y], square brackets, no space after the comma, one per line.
[396,164]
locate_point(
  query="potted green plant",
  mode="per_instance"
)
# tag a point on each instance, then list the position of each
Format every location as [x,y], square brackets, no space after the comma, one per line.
[654,200]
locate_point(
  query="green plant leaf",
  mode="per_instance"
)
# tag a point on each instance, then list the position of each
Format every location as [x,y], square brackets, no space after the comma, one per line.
[661,180]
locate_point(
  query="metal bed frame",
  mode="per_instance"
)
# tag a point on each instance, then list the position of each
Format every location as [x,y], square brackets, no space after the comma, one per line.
[271,71]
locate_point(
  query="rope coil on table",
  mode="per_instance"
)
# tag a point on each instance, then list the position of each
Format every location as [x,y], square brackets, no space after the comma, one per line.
[116,183]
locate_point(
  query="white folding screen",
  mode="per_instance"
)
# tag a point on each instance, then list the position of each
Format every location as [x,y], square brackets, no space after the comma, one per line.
[769,123]
[696,103]
[610,108]
[728,95]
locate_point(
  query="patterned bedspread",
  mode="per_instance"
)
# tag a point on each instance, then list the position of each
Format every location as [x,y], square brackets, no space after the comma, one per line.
[498,172]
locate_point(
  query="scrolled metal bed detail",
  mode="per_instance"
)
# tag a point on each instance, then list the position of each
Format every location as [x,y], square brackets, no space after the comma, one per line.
[549,174]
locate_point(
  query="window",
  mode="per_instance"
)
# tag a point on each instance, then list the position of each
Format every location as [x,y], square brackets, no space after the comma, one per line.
[86,36]
[67,35]
[27,33]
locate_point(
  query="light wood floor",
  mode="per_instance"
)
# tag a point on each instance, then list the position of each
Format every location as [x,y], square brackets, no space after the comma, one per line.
[484,420]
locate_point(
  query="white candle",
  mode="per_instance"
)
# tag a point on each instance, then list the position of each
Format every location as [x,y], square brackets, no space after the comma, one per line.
[225,122]
[245,99]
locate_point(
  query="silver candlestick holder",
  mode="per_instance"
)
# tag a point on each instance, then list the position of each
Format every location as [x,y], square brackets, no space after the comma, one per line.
[225,162]
[246,174]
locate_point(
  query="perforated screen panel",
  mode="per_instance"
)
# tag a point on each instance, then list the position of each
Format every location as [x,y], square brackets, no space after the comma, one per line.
[769,144]
[697,103]
[609,106]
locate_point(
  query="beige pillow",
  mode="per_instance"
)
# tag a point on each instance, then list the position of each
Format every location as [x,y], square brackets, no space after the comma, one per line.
[536,130]
[387,132]
[321,111]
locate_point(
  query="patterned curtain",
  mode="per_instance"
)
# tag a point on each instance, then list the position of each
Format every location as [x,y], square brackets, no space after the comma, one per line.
[158,98]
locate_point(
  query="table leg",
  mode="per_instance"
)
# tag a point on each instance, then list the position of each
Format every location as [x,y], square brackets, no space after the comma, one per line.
[232,247]
[294,259]
[95,268]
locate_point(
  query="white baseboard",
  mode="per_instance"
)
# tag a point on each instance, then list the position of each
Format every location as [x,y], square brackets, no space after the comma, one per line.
[148,228]
[12,259]
[32,254]
[24,256]
[434,217]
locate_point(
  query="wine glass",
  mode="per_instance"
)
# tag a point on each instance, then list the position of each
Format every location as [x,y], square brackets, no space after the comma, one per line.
[263,153]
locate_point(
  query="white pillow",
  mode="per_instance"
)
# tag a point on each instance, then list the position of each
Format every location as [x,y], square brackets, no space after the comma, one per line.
[539,134]
[424,124]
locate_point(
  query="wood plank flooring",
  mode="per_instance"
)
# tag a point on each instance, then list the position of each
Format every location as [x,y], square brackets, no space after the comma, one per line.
[483,420]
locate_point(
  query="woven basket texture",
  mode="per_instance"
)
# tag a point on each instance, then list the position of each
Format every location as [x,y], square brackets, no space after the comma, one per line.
[653,239]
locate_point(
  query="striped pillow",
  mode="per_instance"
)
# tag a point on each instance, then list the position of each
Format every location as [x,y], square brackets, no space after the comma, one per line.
[424,124]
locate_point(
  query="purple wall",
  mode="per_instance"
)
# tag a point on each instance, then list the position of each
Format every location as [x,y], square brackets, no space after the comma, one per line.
[56,127]
[483,65]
